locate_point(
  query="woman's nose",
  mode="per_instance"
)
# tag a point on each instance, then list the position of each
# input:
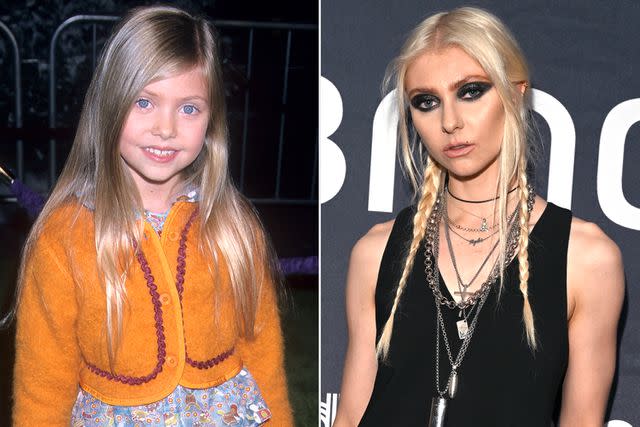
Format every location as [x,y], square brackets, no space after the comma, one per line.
[451,119]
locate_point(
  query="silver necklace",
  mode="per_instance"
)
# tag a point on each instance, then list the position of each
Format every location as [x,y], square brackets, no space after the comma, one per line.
[463,324]
[463,292]
[478,240]
[439,402]
[484,225]
[472,242]
[432,241]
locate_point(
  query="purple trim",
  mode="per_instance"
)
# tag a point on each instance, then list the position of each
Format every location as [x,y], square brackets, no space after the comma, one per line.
[157,307]
[181,269]
[162,347]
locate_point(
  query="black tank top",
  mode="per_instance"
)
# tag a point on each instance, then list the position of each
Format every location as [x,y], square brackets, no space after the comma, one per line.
[501,381]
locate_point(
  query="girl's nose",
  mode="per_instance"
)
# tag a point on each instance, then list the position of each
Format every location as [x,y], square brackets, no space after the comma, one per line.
[164,126]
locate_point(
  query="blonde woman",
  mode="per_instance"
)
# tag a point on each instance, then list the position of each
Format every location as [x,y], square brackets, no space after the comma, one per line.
[146,295]
[482,304]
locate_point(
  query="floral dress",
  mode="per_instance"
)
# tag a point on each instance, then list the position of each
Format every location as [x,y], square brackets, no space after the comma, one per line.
[236,402]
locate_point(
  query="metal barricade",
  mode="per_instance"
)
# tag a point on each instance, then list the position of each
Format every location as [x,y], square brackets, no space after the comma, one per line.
[18,96]
[93,20]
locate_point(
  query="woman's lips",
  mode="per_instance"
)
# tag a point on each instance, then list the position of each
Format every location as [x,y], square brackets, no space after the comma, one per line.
[458,149]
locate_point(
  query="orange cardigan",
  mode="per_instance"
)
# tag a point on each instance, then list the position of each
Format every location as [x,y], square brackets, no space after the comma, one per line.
[60,337]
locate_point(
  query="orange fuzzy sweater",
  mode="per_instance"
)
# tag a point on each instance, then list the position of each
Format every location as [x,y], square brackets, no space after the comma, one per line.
[60,338]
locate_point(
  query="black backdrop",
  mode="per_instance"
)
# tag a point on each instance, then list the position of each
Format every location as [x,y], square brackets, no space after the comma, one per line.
[585,64]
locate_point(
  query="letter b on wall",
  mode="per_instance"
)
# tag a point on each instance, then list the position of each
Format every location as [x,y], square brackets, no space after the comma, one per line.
[333,166]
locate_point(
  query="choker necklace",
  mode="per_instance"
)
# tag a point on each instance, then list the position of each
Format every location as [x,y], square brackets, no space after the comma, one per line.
[477,201]
[439,402]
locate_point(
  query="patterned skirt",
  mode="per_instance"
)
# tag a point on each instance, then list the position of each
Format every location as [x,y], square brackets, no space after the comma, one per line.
[236,402]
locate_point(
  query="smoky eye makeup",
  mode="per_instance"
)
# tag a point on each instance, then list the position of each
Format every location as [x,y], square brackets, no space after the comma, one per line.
[473,90]
[424,102]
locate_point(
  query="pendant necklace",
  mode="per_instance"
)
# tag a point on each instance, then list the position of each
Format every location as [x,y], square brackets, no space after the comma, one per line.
[450,225]
[463,325]
[484,224]
[439,402]
[472,242]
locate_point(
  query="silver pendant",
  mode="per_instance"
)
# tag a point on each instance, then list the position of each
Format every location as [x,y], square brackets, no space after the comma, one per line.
[453,383]
[463,328]
[438,409]
[484,226]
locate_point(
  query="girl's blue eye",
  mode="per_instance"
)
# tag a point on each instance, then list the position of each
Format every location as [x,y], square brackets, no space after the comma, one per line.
[190,109]
[474,90]
[143,103]
[424,102]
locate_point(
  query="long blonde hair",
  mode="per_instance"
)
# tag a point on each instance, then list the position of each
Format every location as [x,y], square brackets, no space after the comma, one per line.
[486,39]
[149,44]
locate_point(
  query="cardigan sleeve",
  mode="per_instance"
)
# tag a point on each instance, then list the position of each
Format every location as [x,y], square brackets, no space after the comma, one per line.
[264,358]
[47,354]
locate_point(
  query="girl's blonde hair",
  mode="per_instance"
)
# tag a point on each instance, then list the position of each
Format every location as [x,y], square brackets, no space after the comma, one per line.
[152,43]
[486,39]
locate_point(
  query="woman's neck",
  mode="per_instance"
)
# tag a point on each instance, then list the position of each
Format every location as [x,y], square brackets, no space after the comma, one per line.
[478,188]
[475,197]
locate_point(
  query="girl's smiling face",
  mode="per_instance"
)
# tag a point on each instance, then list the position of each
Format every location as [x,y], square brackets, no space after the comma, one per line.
[456,111]
[165,131]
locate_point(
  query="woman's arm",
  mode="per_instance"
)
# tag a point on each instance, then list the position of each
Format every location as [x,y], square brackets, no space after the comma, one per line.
[595,290]
[361,363]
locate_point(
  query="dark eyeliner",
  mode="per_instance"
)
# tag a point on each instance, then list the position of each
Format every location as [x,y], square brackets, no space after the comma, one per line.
[424,102]
[474,90]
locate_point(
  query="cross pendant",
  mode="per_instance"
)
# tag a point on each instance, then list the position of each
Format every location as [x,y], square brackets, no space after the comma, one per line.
[463,294]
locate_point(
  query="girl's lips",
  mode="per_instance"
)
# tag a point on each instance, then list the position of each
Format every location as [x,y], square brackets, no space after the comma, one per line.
[458,149]
[160,155]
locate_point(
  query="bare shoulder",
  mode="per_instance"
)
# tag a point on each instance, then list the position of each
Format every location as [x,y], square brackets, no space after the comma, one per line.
[371,246]
[591,248]
[366,256]
[594,265]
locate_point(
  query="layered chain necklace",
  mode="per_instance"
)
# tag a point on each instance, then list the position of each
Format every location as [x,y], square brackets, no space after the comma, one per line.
[462,286]
[474,300]
[484,224]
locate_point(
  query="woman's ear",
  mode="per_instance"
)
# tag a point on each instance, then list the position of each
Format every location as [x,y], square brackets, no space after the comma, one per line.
[523,86]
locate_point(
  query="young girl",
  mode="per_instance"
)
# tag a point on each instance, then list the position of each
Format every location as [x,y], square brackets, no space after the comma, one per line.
[482,303]
[146,293]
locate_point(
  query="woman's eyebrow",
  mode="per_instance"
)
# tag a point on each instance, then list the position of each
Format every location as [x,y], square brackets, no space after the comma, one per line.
[453,86]
[461,82]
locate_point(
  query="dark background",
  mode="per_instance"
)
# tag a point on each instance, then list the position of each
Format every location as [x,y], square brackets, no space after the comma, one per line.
[584,53]
[290,211]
